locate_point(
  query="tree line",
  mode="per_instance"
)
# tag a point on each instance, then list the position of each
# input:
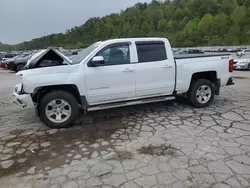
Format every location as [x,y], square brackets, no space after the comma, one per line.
[186,23]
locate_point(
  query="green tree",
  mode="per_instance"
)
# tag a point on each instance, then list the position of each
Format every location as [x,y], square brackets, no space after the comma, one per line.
[184,22]
[238,15]
[191,26]
[162,25]
[220,24]
[205,23]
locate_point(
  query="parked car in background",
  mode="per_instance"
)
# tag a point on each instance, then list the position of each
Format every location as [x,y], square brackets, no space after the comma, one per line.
[7,58]
[7,62]
[180,51]
[2,54]
[242,63]
[243,52]
[120,72]
[195,51]
[19,63]
[3,65]
[74,53]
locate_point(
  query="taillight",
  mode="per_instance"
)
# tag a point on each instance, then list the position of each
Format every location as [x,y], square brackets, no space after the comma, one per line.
[231,65]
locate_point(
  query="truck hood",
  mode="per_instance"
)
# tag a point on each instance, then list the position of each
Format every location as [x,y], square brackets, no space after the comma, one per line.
[51,70]
[36,57]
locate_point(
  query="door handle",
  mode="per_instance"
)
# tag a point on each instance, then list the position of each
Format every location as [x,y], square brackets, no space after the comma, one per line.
[128,70]
[167,66]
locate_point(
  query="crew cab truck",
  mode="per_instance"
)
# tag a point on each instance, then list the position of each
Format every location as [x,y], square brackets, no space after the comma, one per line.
[121,72]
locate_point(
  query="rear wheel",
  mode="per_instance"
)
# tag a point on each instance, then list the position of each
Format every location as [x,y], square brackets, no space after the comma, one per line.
[20,67]
[58,109]
[201,93]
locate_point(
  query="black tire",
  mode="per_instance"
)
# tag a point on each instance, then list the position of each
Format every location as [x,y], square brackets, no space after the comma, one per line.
[58,94]
[195,85]
[181,99]
[248,67]
[20,67]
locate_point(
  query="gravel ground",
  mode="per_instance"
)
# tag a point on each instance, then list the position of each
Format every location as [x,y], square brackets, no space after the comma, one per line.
[155,145]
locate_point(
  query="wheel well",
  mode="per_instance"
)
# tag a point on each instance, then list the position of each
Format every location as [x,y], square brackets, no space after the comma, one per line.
[41,91]
[209,75]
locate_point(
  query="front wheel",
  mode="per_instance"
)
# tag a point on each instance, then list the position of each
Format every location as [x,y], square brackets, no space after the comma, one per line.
[58,109]
[20,67]
[201,93]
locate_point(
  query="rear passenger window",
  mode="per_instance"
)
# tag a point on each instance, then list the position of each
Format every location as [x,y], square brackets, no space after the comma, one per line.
[148,52]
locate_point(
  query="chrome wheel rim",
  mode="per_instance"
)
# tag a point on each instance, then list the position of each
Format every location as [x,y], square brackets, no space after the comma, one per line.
[58,111]
[203,94]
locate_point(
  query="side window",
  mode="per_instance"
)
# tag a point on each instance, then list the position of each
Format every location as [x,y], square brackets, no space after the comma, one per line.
[115,55]
[148,52]
[105,54]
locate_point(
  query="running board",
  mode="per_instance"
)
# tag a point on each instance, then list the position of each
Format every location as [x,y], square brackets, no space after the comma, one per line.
[129,103]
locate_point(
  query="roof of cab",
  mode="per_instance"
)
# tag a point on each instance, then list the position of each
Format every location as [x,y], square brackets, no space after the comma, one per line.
[135,39]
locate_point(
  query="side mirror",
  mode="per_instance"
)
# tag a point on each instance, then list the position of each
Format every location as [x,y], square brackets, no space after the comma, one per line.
[97,61]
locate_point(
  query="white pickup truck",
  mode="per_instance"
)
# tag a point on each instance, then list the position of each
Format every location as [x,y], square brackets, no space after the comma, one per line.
[121,72]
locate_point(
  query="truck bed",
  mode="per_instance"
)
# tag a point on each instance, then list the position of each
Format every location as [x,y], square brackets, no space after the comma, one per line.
[187,56]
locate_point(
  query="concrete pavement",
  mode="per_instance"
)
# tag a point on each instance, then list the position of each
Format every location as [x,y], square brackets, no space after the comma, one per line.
[155,145]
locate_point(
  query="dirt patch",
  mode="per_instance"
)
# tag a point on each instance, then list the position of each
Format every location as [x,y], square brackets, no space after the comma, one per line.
[161,150]
[48,149]
[121,155]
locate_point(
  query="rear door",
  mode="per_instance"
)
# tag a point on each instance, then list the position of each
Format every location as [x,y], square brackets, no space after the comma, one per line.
[115,79]
[155,73]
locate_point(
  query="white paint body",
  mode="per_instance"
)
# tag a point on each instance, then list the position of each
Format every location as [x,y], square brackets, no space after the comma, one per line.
[106,84]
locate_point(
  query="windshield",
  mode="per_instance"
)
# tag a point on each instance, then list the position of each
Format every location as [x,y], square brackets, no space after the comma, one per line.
[28,56]
[25,55]
[84,53]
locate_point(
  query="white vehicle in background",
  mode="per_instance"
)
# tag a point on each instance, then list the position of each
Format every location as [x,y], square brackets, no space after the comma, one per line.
[242,63]
[243,52]
[121,72]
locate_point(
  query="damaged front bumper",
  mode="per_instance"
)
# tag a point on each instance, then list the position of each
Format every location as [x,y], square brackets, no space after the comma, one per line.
[22,99]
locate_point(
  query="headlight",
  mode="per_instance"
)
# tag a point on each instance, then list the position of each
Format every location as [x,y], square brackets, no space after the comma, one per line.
[18,88]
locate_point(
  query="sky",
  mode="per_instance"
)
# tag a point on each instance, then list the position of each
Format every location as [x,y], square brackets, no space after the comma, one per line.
[23,20]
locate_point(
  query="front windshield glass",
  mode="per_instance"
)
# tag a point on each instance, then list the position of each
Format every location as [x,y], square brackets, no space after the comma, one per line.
[84,53]
[28,56]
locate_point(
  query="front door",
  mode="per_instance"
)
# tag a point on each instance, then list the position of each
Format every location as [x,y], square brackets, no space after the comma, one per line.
[115,79]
